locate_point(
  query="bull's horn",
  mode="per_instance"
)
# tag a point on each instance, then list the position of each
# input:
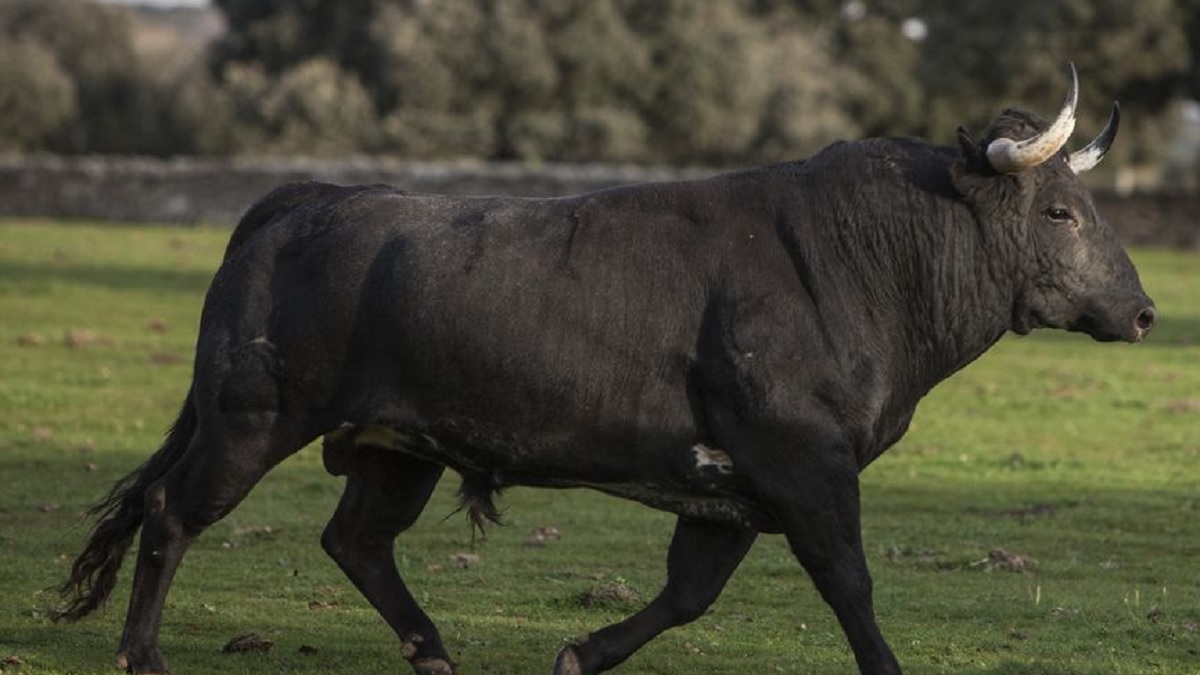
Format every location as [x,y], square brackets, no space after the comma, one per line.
[1009,156]
[1092,153]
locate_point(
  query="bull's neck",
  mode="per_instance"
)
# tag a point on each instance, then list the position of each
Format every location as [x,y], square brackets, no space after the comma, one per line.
[916,277]
[946,285]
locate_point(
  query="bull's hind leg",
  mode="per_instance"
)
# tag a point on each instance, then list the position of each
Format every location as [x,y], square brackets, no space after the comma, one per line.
[701,559]
[385,493]
[227,456]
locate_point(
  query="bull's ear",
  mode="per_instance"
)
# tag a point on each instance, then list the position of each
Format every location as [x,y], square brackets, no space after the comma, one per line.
[995,198]
[973,175]
[970,149]
[974,159]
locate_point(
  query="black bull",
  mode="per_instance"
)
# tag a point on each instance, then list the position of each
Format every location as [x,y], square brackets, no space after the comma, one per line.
[734,350]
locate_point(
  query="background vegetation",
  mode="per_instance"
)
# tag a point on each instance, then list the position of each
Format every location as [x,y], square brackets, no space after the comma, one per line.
[1041,518]
[661,81]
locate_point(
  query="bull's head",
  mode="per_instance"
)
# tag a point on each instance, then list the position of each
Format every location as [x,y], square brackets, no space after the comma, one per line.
[1068,269]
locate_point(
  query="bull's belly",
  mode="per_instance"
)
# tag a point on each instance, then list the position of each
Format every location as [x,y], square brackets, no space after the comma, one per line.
[701,483]
[728,509]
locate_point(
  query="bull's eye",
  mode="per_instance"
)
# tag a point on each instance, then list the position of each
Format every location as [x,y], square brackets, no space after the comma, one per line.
[1059,215]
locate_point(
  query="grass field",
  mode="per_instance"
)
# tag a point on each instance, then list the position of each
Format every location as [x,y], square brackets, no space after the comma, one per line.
[1041,518]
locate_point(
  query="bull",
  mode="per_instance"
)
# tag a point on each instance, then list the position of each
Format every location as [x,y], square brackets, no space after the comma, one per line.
[733,350]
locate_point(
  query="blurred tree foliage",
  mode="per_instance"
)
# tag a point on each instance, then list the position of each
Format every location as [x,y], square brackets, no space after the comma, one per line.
[104,107]
[657,81]
[1135,52]
[36,96]
[627,80]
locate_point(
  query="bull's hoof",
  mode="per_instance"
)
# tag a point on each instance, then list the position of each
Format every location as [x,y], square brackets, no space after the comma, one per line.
[567,662]
[149,663]
[408,649]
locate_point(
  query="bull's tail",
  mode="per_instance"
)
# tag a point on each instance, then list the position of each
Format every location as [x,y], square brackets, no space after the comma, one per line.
[120,515]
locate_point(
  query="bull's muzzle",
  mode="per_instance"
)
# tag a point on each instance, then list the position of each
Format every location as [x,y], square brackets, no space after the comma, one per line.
[1128,321]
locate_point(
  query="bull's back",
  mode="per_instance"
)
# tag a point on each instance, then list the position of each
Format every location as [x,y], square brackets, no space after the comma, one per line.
[504,316]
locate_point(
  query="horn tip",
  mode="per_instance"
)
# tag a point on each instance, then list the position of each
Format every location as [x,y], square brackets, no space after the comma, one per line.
[1073,92]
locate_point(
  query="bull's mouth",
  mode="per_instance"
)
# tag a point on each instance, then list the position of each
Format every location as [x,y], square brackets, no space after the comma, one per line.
[1099,327]
[1096,331]
[1108,329]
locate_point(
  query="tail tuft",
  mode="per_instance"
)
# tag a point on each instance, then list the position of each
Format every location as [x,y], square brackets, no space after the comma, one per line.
[119,516]
[475,496]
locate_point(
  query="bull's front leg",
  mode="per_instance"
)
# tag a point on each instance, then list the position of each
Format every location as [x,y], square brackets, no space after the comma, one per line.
[826,537]
[809,481]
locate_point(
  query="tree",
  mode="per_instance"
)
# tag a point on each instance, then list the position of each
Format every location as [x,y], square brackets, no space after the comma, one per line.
[119,109]
[201,115]
[663,81]
[632,80]
[978,53]
[276,35]
[314,108]
[36,96]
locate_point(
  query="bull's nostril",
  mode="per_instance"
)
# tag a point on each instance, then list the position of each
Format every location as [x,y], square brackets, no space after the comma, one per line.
[1145,320]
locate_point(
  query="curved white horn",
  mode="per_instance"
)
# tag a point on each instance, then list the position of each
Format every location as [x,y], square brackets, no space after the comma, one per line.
[1009,156]
[1092,153]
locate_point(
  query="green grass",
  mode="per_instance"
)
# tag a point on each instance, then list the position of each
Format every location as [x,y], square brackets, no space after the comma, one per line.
[1082,457]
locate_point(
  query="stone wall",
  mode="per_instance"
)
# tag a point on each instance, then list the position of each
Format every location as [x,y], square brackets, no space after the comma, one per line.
[218,190]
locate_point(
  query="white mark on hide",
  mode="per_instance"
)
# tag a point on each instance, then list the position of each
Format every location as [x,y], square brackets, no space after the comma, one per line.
[712,457]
